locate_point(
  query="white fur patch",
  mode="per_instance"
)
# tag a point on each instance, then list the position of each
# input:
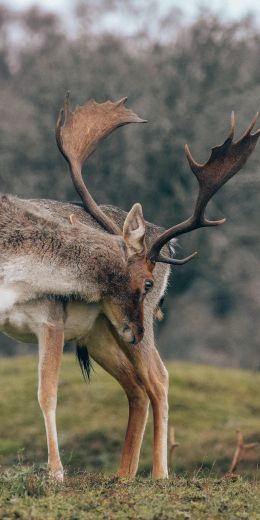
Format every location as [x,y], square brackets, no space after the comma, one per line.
[8,298]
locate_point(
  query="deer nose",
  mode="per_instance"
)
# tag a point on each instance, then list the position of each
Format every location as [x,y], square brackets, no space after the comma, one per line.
[136,333]
[128,334]
[134,341]
[140,331]
[126,328]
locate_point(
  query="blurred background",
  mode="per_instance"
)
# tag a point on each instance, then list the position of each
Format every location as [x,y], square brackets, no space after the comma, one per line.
[184,68]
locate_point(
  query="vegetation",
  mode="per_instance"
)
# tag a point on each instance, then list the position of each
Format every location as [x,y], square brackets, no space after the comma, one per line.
[207,405]
[96,496]
[185,82]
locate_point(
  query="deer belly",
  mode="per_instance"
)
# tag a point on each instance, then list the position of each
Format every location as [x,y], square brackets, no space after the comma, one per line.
[18,325]
[23,321]
[8,298]
[79,320]
[14,318]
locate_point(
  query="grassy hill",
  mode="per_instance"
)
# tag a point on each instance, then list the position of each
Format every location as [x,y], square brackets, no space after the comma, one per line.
[207,405]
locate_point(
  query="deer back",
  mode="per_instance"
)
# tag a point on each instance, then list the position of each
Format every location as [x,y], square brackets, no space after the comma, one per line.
[62,210]
[54,256]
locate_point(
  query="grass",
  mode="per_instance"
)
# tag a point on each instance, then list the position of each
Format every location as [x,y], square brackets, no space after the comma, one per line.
[94,496]
[207,405]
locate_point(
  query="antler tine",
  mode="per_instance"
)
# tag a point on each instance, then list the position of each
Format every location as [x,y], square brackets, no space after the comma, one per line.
[78,134]
[176,261]
[250,128]
[224,162]
[197,167]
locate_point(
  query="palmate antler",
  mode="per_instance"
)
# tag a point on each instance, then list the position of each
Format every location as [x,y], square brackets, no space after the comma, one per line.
[78,134]
[225,160]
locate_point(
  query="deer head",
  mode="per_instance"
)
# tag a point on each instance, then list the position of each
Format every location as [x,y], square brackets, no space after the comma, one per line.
[123,279]
[140,270]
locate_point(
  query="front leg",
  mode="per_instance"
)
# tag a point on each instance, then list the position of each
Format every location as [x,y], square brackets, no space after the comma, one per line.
[51,341]
[105,350]
[153,374]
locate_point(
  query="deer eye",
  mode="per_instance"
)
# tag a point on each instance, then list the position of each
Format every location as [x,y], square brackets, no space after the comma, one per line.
[148,285]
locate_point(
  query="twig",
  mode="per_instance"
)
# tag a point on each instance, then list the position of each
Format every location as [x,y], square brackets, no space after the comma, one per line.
[172,444]
[240,452]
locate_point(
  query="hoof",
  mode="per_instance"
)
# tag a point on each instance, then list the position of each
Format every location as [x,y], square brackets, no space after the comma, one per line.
[160,475]
[56,476]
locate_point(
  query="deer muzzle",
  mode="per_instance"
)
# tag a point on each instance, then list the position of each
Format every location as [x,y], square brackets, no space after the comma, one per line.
[133,333]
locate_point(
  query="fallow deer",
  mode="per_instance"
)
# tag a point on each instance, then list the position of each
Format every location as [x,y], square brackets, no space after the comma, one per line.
[95,275]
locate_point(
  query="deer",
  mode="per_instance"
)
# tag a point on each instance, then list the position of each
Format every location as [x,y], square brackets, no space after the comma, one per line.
[96,275]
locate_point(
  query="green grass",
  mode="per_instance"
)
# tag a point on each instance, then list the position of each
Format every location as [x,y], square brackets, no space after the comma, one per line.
[207,405]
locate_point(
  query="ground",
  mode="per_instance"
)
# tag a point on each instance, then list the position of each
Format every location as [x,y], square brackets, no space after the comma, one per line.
[207,405]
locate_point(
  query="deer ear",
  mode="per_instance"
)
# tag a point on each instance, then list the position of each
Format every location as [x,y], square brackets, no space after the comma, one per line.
[76,222]
[134,231]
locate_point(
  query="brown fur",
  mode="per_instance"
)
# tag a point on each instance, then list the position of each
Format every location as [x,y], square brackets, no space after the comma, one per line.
[42,229]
